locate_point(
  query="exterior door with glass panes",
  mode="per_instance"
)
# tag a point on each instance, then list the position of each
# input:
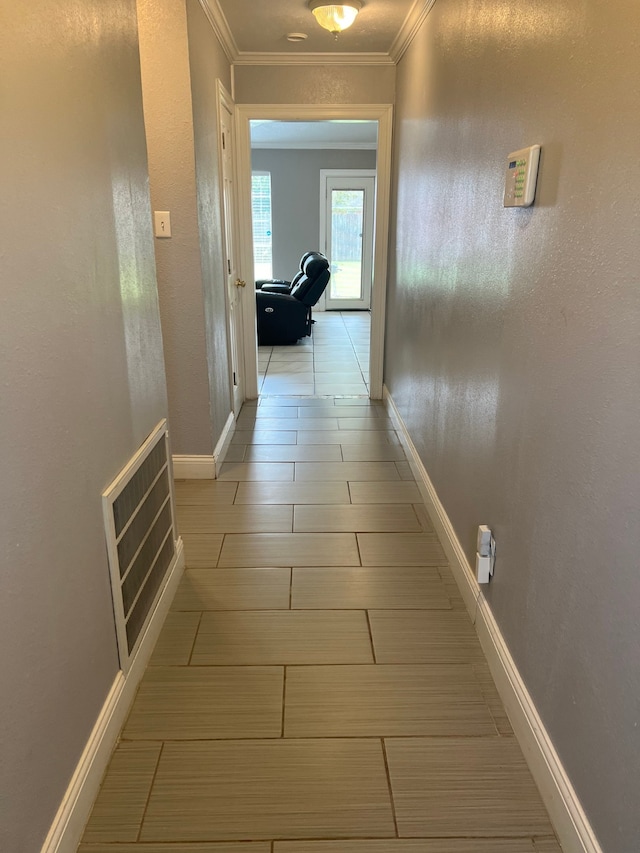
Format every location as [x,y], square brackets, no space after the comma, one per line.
[347,224]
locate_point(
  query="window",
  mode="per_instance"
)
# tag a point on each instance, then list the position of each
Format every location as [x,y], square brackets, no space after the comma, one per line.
[261,217]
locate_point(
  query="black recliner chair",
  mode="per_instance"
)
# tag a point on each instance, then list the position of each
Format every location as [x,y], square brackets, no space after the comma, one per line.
[284,308]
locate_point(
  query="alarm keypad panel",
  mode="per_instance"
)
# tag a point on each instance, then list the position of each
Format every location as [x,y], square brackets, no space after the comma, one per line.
[521,176]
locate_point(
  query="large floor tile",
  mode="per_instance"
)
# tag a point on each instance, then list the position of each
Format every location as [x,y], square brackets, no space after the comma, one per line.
[370,587]
[373,453]
[243,471]
[176,640]
[235,519]
[424,636]
[340,387]
[289,549]
[207,847]
[233,589]
[547,844]
[294,453]
[384,701]
[407,845]
[349,517]
[282,637]
[371,437]
[207,703]
[365,423]
[400,549]
[292,493]
[492,698]
[118,811]
[346,471]
[387,493]
[269,789]
[201,550]
[263,436]
[204,492]
[360,401]
[463,787]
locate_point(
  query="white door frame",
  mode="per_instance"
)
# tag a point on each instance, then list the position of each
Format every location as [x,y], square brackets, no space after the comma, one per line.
[369,229]
[224,103]
[383,114]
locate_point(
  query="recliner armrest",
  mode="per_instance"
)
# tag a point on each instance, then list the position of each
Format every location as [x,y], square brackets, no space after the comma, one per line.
[276,288]
[261,282]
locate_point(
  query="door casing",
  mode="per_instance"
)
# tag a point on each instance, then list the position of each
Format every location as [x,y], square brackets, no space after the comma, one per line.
[383,114]
[235,304]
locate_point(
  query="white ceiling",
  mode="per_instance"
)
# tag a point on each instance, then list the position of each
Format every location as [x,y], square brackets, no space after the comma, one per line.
[314,134]
[261,26]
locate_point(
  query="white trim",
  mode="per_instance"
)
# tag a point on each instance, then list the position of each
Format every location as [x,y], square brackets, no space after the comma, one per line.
[383,114]
[258,58]
[460,567]
[225,103]
[194,467]
[205,467]
[219,24]
[224,441]
[565,810]
[317,146]
[414,20]
[68,824]
[410,27]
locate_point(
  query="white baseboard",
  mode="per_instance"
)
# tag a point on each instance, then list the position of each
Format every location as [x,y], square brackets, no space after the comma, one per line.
[460,567]
[205,467]
[194,467]
[567,815]
[68,825]
[224,441]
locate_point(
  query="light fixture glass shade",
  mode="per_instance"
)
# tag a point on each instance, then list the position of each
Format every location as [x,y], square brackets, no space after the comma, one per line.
[335,17]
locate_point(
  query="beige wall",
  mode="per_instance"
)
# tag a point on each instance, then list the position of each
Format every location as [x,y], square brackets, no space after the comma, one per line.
[166,78]
[314,84]
[81,373]
[513,349]
[295,197]
[208,64]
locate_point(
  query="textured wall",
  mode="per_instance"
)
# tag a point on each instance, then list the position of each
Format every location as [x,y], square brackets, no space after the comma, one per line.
[295,197]
[314,84]
[514,346]
[209,64]
[81,373]
[164,57]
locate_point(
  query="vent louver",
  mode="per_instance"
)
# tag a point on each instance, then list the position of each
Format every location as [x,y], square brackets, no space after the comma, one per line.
[140,530]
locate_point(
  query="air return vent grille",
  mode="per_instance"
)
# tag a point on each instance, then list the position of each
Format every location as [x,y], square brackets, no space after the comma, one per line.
[139,523]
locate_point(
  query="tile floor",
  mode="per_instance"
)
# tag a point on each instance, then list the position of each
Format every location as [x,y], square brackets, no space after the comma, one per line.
[318,686]
[333,360]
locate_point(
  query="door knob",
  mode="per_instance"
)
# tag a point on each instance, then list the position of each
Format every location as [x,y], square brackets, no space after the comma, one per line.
[240,283]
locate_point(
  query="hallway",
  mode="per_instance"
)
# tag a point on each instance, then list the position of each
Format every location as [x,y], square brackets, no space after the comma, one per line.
[318,683]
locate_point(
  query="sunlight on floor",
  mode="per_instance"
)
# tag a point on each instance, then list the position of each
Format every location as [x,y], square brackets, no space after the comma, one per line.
[334,360]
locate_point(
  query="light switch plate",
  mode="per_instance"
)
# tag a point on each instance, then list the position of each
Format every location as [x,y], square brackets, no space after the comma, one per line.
[162,223]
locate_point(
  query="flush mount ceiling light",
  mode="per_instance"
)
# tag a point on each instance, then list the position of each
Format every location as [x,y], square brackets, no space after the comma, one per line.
[335,17]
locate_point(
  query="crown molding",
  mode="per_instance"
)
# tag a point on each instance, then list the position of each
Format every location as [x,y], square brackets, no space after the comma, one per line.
[216,18]
[255,58]
[414,20]
[412,24]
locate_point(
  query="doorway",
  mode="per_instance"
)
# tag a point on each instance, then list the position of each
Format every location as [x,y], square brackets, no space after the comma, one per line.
[382,114]
[346,236]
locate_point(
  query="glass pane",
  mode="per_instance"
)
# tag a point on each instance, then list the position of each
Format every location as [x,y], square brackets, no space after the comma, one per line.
[347,224]
[261,217]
